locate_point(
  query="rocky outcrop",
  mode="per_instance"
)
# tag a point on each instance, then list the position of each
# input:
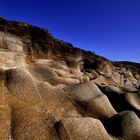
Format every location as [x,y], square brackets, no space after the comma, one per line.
[51,90]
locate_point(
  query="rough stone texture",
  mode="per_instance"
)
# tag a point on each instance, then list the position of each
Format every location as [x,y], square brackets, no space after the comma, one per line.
[51,90]
[82,129]
[126,124]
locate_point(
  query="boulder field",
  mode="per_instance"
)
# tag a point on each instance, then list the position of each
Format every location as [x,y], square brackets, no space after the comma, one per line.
[51,90]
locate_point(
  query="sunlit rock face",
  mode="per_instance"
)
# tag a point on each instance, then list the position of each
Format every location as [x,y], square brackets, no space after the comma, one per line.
[50,90]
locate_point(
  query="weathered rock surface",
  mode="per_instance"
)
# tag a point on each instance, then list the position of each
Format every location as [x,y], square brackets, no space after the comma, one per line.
[126,124]
[82,129]
[51,90]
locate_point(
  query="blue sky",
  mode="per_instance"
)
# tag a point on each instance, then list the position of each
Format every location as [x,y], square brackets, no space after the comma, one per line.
[110,28]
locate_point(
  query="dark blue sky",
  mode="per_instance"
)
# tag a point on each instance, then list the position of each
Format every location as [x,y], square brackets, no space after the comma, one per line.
[110,28]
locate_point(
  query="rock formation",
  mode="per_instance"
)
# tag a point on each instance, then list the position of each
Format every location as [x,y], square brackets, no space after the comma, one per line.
[51,90]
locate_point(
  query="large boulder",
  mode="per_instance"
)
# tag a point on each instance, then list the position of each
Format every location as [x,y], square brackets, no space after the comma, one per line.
[126,124]
[90,100]
[81,129]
